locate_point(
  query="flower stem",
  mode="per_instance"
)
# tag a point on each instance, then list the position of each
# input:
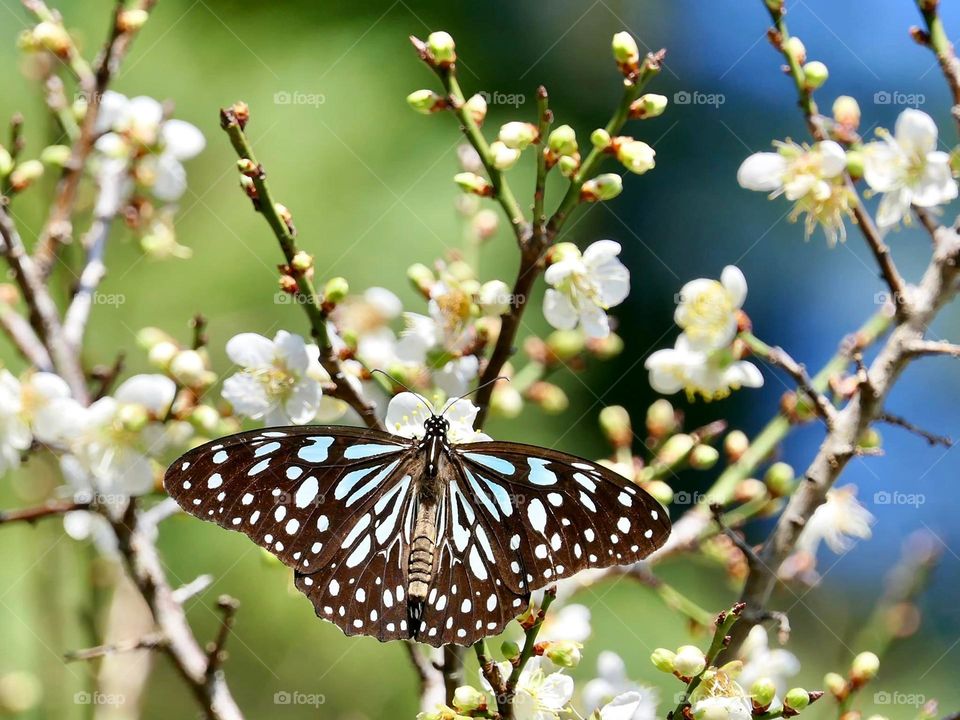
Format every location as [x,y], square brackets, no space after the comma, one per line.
[529,641]
[545,118]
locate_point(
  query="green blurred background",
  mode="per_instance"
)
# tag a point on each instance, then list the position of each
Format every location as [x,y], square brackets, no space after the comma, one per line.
[369,184]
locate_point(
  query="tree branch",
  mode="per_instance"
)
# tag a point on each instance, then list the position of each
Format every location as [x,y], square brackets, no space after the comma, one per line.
[935,37]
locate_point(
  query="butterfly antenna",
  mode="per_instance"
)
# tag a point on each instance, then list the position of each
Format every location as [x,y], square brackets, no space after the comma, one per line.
[476,389]
[397,382]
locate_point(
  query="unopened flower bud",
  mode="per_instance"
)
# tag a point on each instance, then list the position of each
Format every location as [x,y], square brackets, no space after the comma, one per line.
[57,155]
[476,107]
[422,277]
[494,298]
[241,111]
[506,401]
[835,684]
[603,187]
[335,290]
[870,439]
[283,212]
[865,667]
[53,37]
[689,661]
[205,419]
[569,164]
[780,479]
[605,348]
[675,449]
[518,135]
[442,48]
[6,161]
[625,50]
[25,174]
[796,699]
[302,261]
[703,457]
[794,46]
[749,489]
[663,659]
[815,73]
[855,164]
[425,102]
[615,423]
[188,368]
[659,491]
[565,344]
[735,444]
[551,398]
[563,140]
[510,650]
[503,157]
[467,699]
[133,417]
[485,222]
[763,691]
[132,20]
[149,336]
[288,284]
[636,156]
[473,183]
[600,138]
[162,353]
[661,418]
[563,653]
[846,111]
[649,105]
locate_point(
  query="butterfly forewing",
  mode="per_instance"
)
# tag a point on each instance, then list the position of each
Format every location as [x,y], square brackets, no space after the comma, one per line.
[557,513]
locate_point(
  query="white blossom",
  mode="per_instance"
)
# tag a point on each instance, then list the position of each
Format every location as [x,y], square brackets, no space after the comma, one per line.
[612,683]
[541,695]
[760,661]
[630,705]
[810,177]
[15,436]
[274,384]
[908,168]
[721,698]
[571,622]
[837,521]
[707,309]
[407,413]
[711,374]
[584,286]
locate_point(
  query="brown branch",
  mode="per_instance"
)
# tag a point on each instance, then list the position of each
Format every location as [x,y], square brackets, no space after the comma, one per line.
[54,508]
[216,654]
[933,347]
[432,690]
[152,641]
[931,438]
[24,338]
[935,37]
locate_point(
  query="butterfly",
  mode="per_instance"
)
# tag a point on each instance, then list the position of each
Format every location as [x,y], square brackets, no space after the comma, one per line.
[422,538]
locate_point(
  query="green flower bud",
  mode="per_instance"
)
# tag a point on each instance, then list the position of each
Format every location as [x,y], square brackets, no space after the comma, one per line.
[442,48]
[506,401]
[603,187]
[763,691]
[503,157]
[161,354]
[467,699]
[133,417]
[563,140]
[565,344]
[425,102]
[25,173]
[302,261]
[551,398]
[132,20]
[53,37]
[569,164]
[780,479]
[660,491]
[735,444]
[6,162]
[649,105]
[663,659]
[816,74]
[57,155]
[473,183]
[205,419]
[689,661]
[607,347]
[750,489]
[494,298]
[855,164]
[796,699]
[564,653]
[422,277]
[675,449]
[870,439]
[335,290]
[795,48]
[835,684]
[625,50]
[846,111]
[188,368]
[661,418]
[510,650]
[636,156]
[865,667]
[704,457]
[149,336]
[600,138]
[476,107]
[615,423]
[518,135]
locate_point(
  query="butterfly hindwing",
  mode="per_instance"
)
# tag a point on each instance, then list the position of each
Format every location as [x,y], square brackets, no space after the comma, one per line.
[558,514]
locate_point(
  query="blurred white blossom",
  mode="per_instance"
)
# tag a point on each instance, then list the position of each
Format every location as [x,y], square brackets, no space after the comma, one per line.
[612,682]
[274,384]
[837,522]
[584,286]
[571,622]
[15,434]
[707,309]
[630,705]
[908,168]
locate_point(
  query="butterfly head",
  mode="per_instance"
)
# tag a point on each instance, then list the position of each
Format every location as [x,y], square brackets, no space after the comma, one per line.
[436,426]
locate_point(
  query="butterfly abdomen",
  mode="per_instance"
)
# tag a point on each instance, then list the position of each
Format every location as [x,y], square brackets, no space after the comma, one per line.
[420,565]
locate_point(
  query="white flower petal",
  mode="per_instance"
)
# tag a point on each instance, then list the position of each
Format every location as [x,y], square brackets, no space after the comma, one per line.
[246,394]
[622,707]
[155,392]
[406,414]
[302,405]
[291,350]
[735,284]
[916,132]
[181,139]
[171,179]
[762,171]
[833,159]
[250,350]
[558,310]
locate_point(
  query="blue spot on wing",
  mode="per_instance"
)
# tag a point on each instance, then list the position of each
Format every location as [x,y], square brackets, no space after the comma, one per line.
[350,480]
[493,462]
[318,451]
[539,474]
[500,495]
[356,452]
[366,489]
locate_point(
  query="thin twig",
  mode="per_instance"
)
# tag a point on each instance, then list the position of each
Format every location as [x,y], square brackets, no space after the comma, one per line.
[216,654]
[935,37]
[78,313]
[931,438]
[55,508]
[24,338]
[152,641]
[933,347]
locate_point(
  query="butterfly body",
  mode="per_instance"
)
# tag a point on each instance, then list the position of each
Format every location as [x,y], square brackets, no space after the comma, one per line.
[417,538]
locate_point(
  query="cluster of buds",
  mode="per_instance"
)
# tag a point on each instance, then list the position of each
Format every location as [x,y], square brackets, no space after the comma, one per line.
[50,36]
[635,155]
[467,702]
[563,150]
[863,669]
[562,653]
